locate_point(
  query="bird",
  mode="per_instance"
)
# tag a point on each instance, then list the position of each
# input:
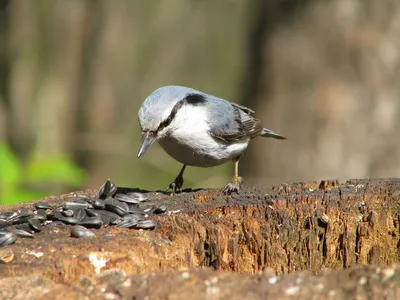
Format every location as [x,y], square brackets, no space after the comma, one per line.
[198,129]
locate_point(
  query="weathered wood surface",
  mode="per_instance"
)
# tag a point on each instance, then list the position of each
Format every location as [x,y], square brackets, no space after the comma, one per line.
[291,227]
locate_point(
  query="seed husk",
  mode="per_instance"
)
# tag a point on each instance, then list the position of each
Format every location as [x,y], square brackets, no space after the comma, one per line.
[6,256]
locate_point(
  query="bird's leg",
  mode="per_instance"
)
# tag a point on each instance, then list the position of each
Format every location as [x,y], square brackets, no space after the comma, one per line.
[234,185]
[178,182]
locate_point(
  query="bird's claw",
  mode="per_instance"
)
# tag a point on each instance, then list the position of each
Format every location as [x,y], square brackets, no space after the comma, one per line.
[234,186]
[231,188]
[177,185]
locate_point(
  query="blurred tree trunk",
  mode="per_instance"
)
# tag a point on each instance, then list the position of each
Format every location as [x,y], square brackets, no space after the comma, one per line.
[268,17]
[332,74]
[4,68]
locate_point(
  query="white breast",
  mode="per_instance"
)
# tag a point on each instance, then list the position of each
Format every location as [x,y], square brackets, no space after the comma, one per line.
[189,142]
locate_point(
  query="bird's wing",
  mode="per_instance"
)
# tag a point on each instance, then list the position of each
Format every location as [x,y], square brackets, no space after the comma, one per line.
[235,124]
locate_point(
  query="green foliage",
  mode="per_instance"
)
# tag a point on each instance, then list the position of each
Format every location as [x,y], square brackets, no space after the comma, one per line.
[52,170]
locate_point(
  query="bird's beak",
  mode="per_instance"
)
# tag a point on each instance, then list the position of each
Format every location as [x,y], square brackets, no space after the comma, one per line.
[147,140]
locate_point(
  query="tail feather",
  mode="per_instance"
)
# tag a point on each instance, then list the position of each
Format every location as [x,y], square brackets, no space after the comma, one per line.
[269,133]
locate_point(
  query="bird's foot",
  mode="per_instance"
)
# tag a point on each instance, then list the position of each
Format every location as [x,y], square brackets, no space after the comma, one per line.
[234,186]
[177,185]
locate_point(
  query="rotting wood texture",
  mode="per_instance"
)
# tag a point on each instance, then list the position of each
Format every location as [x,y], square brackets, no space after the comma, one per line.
[291,227]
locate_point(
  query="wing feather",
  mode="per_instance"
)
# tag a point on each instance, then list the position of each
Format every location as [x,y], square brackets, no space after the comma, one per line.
[240,126]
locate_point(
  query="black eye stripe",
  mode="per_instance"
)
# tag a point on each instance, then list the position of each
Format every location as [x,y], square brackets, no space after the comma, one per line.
[190,99]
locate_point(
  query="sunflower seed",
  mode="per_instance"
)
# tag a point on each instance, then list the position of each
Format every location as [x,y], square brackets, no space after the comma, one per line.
[41,212]
[107,189]
[134,208]
[92,222]
[83,199]
[75,205]
[115,206]
[138,196]
[79,231]
[148,209]
[35,224]
[54,216]
[43,205]
[126,198]
[136,217]
[146,224]
[11,216]
[19,218]
[106,220]
[7,238]
[39,217]
[91,212]
[97,203]
[25,227]
[6,215]
[4,223]
[80,214]
[166,240]
[113,217]
[129,223]
[69,220]
[22,233]
[160,210]
[68,213]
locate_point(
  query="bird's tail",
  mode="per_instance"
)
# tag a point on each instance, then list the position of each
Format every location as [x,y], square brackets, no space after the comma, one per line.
[269,133]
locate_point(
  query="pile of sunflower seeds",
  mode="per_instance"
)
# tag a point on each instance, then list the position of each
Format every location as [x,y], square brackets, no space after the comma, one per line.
[109,208]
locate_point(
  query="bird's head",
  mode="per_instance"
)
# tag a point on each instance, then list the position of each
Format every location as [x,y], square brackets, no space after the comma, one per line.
[157,113]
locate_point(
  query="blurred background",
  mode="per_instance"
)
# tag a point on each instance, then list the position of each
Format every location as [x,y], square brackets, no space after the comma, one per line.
[73,74]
